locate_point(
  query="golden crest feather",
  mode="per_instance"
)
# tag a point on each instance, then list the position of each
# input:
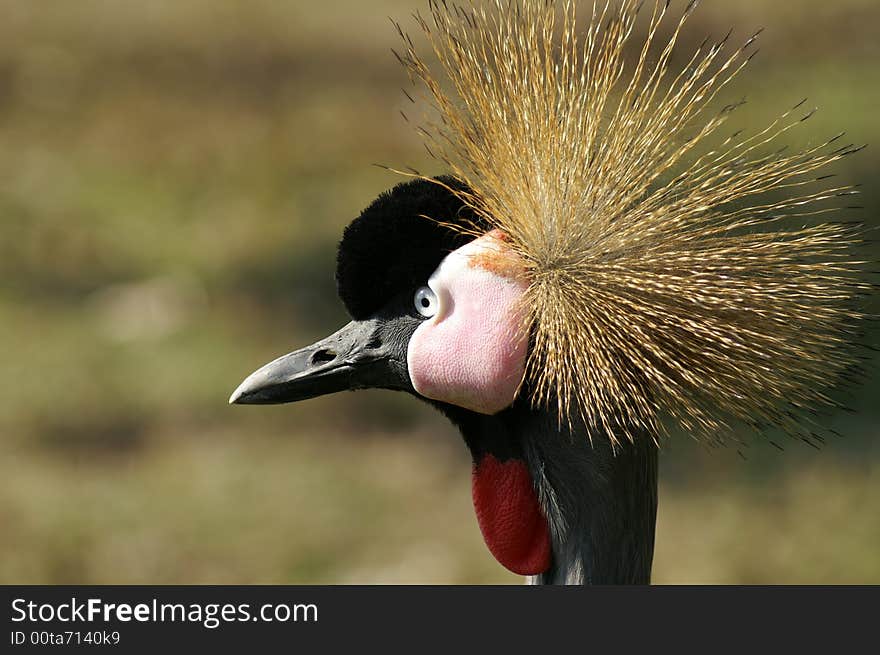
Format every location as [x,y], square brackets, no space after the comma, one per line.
[666,280]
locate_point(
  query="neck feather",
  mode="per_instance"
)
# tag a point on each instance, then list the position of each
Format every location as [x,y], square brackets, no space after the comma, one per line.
[601,505]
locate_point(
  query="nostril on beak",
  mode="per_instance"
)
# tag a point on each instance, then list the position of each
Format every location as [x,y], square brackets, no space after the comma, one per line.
[323,356]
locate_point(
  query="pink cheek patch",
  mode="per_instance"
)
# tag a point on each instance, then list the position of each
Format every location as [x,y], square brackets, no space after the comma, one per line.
[472,352]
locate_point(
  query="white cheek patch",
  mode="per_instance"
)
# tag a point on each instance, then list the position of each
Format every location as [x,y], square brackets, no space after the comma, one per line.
[472,352]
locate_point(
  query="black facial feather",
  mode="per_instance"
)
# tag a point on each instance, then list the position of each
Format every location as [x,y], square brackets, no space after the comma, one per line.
[391,248]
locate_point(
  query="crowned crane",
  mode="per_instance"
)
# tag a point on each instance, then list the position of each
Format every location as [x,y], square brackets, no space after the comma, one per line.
[579,282]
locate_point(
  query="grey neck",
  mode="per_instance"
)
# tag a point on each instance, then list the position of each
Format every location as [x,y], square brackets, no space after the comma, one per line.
[601,505]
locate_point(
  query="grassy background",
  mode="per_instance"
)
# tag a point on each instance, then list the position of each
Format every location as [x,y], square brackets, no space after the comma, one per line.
[174,177]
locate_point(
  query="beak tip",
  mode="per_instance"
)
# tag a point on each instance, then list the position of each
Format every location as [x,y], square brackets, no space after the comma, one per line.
[238,394]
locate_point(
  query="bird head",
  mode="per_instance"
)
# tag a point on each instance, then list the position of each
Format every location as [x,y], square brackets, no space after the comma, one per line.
[586,270]
[436,309]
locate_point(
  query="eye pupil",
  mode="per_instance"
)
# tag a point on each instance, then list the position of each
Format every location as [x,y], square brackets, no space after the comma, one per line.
[426,303]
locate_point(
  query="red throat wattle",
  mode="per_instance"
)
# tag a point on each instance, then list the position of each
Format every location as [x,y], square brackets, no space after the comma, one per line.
[510,516]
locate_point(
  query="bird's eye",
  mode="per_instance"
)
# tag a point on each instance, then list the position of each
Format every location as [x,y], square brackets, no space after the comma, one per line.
[426,302]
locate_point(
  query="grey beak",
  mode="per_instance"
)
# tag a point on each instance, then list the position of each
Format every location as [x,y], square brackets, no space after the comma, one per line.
[352,358]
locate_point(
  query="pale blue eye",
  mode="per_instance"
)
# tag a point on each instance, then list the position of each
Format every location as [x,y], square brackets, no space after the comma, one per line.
[426,302]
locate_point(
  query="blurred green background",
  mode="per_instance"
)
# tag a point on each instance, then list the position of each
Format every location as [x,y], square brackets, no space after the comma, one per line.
[174,177]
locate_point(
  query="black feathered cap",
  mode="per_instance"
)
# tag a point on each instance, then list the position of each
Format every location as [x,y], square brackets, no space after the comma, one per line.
[392,248]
